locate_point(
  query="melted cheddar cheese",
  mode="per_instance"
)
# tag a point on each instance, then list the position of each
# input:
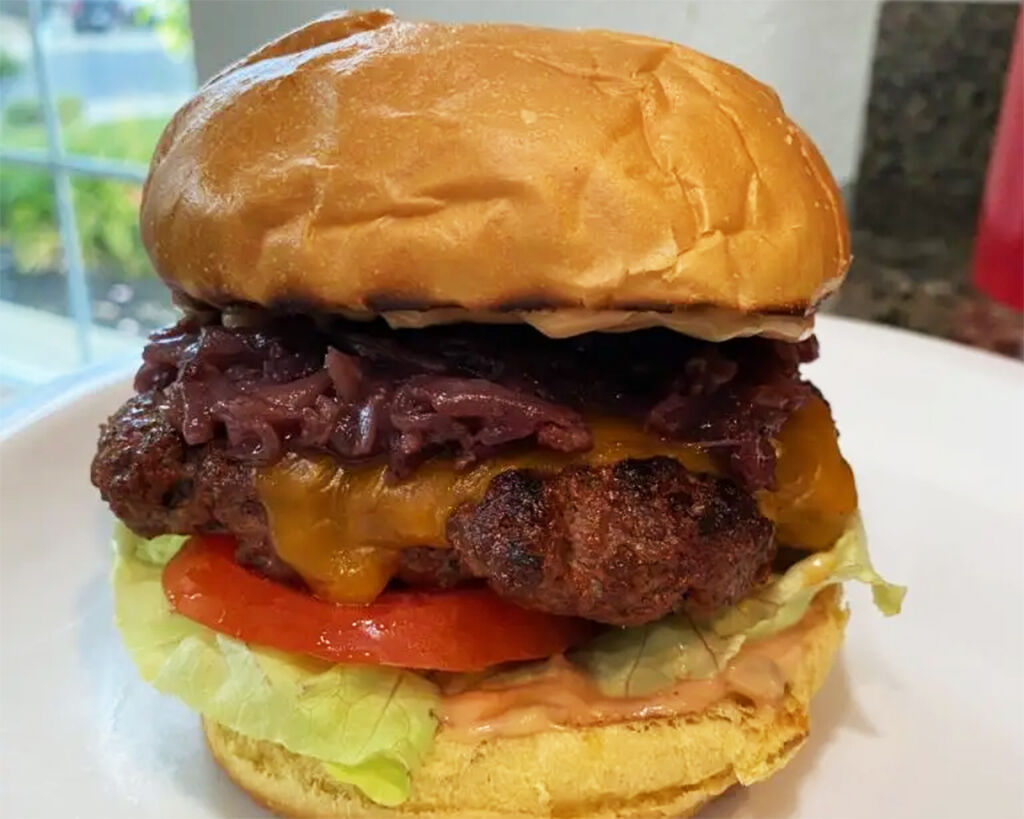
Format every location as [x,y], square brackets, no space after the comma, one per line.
[341,527]
[814,493]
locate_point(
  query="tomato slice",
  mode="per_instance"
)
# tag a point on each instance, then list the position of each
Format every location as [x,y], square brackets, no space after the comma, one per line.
[460,630]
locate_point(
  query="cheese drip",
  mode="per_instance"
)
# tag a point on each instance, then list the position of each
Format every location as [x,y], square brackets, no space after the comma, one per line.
[341,527]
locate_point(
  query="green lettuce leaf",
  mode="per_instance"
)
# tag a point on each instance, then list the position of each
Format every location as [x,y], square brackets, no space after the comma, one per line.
[155,550]
[372,726]
[638,661]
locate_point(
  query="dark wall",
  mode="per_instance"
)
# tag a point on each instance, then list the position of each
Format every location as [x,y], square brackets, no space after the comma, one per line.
[936,87]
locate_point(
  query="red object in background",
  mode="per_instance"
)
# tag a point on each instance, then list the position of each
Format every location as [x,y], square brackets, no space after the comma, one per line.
[999,245]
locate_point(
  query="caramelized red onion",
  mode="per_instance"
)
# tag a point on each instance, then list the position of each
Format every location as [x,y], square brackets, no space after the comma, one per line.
[356,391]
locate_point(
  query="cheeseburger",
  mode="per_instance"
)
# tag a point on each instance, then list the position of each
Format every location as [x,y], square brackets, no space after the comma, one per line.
[479,477]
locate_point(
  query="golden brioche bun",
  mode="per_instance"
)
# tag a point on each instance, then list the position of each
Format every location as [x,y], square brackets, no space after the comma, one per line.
[656,767]
[372,165]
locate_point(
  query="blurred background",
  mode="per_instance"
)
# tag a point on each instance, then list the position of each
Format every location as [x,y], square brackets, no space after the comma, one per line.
[903,98]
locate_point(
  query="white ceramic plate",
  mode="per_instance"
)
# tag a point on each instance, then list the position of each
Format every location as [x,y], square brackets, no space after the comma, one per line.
[922,717]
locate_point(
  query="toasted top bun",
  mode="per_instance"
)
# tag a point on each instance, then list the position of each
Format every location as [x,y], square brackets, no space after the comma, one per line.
[429,172]
[654,767]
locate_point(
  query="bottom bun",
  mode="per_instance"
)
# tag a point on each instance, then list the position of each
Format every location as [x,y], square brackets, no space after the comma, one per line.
[651,768]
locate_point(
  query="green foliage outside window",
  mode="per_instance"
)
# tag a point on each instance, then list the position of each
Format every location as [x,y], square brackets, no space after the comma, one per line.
[10,66]
[107,210]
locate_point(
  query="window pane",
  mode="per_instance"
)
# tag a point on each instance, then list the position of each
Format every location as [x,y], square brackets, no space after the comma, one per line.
[126,296]
[31,261]
[21,117]
[118,71]
[37,341]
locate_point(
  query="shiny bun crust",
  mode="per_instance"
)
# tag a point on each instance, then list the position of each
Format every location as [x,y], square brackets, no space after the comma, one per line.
[362,163]
[658,767]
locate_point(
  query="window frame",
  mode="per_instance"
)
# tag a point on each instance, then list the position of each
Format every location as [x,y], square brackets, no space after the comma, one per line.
[61,167]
